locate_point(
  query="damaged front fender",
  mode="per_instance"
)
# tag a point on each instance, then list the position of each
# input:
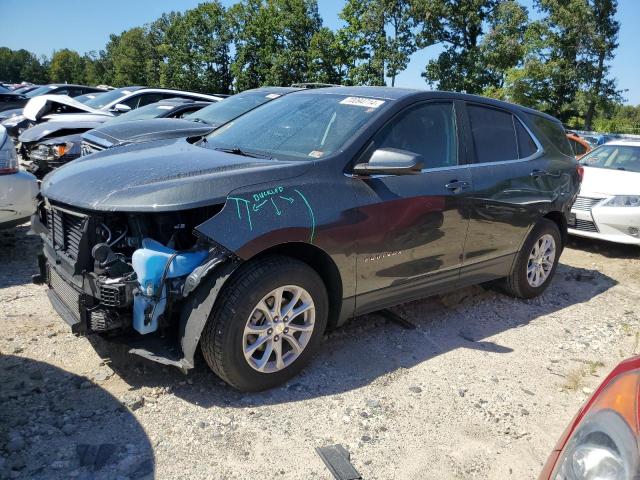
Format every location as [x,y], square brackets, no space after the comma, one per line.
[213,275]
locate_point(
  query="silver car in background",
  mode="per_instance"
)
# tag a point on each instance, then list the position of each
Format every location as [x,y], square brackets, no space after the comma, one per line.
[18,189]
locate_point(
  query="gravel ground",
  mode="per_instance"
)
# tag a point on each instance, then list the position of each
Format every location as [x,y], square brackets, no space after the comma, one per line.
[481,389]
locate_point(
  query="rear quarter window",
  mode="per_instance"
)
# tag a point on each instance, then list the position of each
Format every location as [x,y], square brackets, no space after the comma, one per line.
[554,132]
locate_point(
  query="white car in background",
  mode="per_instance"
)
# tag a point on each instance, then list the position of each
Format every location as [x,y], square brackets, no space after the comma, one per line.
[608,205]
[18,189]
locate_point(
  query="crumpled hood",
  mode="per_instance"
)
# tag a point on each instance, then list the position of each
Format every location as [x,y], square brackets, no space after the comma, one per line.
[137,131]
[604,181]
[167,175]
[38,107]
[47,129]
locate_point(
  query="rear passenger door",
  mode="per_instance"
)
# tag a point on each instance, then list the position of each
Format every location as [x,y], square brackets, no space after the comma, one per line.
[511,184]
[411,239]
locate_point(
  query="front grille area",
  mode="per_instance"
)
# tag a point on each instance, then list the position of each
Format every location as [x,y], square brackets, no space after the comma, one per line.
[89,148]
[65,230]
[586,226]
[586,203]
[69,296]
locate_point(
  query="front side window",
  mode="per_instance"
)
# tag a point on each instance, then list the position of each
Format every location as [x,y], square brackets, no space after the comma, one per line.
[298,126]
[428,129]
[614,157]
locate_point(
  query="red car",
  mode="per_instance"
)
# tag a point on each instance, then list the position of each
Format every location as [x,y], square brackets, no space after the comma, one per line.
[602,440]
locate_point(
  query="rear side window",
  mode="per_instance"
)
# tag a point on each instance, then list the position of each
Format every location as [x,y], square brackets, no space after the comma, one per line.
[526,145]
[493,132]
[578,148]
[554,131]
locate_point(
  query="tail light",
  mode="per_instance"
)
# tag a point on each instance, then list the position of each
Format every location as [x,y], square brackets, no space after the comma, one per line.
[580,170]
[8,156]
[602,442]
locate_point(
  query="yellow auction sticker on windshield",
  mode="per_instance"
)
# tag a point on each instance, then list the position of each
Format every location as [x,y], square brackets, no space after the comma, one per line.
[362,102]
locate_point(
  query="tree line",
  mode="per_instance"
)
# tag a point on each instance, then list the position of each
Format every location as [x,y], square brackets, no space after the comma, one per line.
[554,58]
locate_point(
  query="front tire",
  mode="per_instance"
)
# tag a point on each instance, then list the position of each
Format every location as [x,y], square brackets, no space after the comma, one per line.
[536,262]
[267,323]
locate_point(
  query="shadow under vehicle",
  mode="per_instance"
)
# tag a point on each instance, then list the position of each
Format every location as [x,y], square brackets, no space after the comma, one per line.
[57,425]
[298,215]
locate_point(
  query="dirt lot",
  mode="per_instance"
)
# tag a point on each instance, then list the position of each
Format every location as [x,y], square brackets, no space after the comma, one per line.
[481,389]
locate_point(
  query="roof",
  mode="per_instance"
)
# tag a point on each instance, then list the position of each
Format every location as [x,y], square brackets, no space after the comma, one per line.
[394,93]
[281,90]
[624,141]
[181,101]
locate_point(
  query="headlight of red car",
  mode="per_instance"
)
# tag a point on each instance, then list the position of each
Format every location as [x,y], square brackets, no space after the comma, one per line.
[602,442]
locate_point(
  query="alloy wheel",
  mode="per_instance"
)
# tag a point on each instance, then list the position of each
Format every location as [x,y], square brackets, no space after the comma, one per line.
[541,260]
[278,329]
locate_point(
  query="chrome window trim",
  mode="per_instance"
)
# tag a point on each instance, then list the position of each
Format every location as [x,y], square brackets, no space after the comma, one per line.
[537,154]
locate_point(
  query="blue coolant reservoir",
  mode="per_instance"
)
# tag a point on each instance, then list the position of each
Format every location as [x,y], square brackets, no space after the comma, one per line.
[149,263]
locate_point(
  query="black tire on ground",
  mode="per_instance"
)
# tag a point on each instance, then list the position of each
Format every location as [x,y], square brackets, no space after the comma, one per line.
[222,337]
[516,284]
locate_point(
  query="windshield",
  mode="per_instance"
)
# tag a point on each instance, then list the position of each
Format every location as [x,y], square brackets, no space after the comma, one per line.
[614,157]
[4,90]
[154,110]
[298,126]
[86,97]
[108,97]
[40,90]
[232,107]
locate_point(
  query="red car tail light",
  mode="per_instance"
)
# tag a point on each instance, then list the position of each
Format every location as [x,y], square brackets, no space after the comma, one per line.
[602,441]
[580,169]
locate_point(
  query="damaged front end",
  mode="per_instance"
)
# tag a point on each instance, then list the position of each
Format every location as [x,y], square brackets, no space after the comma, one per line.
[131,276]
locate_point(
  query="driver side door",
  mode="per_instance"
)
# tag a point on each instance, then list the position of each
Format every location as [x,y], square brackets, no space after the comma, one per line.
[411,240]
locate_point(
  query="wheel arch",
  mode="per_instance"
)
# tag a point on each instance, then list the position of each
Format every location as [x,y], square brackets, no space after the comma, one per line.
[322,263]
[560,220]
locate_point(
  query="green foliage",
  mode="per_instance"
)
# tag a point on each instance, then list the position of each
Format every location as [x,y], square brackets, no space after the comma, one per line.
[272,39]
[458,25]
[557,63]
[67,66]
[195,47]
[18,65]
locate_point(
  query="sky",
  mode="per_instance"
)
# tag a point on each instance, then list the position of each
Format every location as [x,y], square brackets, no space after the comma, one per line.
[42,26]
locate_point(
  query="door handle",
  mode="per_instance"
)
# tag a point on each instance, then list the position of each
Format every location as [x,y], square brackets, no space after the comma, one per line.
[539,173]
[457,185]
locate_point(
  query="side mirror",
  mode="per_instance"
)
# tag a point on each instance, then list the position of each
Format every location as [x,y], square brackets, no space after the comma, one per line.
[391,161]
[121,108]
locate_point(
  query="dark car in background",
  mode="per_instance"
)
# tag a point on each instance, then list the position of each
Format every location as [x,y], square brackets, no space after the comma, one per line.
[12,101]
[196,124]
[50,145]
[25,88]
[298,215]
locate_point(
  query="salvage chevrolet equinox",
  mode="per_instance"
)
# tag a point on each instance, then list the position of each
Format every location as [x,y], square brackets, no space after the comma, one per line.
[298,215]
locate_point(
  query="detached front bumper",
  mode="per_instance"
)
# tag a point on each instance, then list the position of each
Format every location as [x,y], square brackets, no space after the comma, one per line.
[613,224]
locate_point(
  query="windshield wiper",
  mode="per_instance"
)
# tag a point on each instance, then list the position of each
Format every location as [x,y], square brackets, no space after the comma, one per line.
[244,153]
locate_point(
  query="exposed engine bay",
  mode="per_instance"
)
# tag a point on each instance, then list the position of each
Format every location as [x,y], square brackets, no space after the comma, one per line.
[122,272]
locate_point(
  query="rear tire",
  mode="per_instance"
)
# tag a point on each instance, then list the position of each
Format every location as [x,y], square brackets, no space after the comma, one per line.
[536,263]
[249,341]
